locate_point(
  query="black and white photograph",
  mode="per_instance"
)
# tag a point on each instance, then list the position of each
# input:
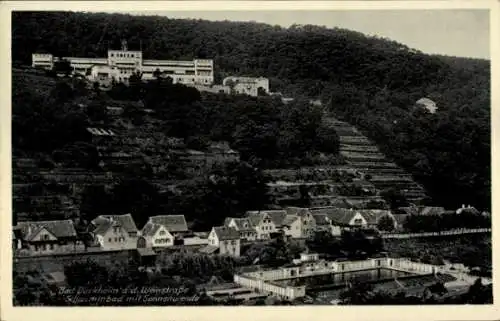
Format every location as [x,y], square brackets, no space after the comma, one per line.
[250,157]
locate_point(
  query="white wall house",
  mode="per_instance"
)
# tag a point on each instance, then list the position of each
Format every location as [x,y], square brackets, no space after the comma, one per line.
[155,235]
[226,239]
[121,64]
[243,226]
[115,232]
[247,85]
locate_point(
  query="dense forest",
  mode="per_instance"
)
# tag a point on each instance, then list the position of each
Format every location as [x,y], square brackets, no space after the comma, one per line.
[371,82]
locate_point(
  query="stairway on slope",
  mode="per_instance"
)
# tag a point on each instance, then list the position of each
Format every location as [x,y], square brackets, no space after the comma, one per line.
[364,156]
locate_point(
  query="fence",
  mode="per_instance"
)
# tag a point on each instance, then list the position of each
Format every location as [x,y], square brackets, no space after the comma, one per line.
[431,234]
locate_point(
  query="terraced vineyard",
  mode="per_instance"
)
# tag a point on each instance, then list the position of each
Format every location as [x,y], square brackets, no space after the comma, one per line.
[364,156]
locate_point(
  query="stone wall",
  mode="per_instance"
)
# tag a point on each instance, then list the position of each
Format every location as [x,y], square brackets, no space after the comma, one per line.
[54,263]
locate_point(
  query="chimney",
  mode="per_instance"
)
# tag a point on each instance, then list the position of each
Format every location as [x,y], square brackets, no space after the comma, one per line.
[463,205]
[124,45]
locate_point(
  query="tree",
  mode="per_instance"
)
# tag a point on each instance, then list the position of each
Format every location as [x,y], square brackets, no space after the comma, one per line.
[394,197]
[386,223]
[62,66]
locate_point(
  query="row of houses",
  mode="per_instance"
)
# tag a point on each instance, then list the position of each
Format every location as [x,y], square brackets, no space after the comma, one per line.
[119,232]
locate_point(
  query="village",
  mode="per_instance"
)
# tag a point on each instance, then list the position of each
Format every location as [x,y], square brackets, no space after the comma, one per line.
[342,199]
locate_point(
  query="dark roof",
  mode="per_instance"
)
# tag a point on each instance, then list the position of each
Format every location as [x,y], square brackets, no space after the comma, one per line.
[146,251]
[243,224]
[209,249]
[150,229]
[373,216]
[226,233]
[289,219]
[298,211]
[431,210]
[320,218]
[277,216]
[104,222]
[59,228]
[173,223]
[337,215]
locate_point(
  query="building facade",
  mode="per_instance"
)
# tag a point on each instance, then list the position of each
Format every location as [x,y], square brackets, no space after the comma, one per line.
[121,64]
[226,239]
[47,237]
[115,232]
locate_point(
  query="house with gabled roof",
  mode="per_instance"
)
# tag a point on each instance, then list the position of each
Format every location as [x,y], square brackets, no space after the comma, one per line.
[155,235]
[115,232]
[225,239]
[266,222]
[175,224]
[243,226]
[47,237]
[373,217]
[306,221]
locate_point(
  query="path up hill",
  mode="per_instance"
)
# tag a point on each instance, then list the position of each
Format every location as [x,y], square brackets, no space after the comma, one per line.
[364,156]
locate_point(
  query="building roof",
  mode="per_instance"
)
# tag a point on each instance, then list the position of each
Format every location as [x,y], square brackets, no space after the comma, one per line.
[147,251]
[337,215]
[59,228]
[321,219]
[289,219]
[150,229]
[173,223]
[209,249]
[276,216]
[103,223]
[226,233]
[300,211]
[431,210]
[373,216]
[243,224]
[100,131]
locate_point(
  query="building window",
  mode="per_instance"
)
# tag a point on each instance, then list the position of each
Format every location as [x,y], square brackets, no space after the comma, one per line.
[51,246]
[110,240]
[44,247]
[233,242]
[45,237]
[358,221]
[162,232]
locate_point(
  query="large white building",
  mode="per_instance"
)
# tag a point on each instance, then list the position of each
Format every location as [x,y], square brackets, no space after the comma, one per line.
[247,85]
[121,64]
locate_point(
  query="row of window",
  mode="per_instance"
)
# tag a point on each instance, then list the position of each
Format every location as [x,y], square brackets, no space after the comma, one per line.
[116,239]
[44,247]
[163,241]
[125,55]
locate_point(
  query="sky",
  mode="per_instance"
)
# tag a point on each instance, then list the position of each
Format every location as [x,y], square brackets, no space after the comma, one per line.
[454,32]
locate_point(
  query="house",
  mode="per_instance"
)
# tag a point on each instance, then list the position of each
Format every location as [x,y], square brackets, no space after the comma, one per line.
[226,239]
[324,224]
[243,226]
[115,232]
[155,235]
[176,225]
[342,218]
[266,222]
[306,221]
[247,85]
[373,217]
[291,226]
[467,209]
[46,237]
[421,210]
[427,104]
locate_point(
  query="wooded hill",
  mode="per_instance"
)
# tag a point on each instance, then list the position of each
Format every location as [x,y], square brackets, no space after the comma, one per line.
[371,82]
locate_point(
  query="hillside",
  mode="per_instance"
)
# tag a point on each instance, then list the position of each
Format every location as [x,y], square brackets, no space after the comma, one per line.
[371,83]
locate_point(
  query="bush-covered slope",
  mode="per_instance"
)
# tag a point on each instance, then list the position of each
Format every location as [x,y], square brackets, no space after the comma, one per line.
[371,82]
